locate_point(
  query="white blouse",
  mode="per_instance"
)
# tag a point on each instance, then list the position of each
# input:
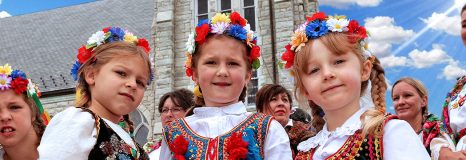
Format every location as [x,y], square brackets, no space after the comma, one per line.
[214,121]
[397,136]
[457,115]
[71,135]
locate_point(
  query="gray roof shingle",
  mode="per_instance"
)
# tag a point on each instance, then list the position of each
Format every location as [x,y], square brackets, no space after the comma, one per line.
[44,44]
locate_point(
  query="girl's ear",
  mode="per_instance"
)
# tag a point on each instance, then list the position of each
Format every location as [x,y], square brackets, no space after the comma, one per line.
[424,101]
[194,76]
[366,69]
[89,76]
[248,76]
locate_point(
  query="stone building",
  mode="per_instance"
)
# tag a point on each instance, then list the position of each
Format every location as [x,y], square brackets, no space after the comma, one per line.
[44,44]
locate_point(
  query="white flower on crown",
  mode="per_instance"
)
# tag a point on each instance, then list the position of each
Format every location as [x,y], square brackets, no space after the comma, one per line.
[98,38]
[337,25]
[219,27]
[190,43]
[31,88]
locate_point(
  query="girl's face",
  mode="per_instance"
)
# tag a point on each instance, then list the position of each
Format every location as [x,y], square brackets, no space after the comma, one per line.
[463,27]
[171,112]
[279,107]
[334,81]
[16,119]
[118,86]
[408,103]
[221,71]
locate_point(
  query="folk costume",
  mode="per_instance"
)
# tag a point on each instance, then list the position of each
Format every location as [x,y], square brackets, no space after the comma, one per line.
[79,133]
[453,128]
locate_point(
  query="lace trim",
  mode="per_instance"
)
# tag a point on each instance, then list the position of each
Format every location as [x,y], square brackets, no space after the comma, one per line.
[323,136]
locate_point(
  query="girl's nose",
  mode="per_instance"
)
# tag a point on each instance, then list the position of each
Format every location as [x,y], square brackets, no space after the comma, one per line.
[328,73]
[5,116]
[222,71]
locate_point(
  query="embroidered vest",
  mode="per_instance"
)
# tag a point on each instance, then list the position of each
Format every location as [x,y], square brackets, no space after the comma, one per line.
[110,146]
[356,147]
[253,130]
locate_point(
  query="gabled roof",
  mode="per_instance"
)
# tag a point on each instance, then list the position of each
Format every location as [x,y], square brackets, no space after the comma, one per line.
[44,44]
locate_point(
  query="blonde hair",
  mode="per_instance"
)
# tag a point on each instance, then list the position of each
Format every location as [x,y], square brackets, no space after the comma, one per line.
[339,43]
[102,55]
[199,101]
[420,89]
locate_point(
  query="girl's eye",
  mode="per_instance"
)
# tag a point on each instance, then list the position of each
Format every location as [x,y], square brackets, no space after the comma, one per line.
[210,62]
[463,25]
[141,83]
[285,99]
[273,99]
[233,64]
[396,98]
[339,61]
[314,70]
[15,107]
[121,73]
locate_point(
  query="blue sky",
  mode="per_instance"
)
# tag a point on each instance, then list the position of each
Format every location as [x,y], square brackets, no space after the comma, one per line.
[416,38]
[419,39]
[19,7]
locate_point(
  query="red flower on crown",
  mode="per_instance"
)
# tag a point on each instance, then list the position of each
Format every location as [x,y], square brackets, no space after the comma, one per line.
[237,19]
[144,44]
[19,85]
[202,32]
[356,32]
[255,53]
[84,54]
[288,56]
[236,147]
[319,15]
[179,147]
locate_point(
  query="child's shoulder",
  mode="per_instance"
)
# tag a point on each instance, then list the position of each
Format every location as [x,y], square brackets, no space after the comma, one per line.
[72,117]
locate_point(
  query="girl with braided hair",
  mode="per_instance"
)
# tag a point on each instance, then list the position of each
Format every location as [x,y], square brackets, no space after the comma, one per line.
[332,68]
[113,71]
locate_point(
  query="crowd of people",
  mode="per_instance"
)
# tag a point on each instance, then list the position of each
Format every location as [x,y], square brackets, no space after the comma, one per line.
[333,71]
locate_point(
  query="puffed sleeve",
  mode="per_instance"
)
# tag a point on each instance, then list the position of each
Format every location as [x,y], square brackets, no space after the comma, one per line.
[277,143]
[165,152]
[400,142]
[439,142]
[70,135]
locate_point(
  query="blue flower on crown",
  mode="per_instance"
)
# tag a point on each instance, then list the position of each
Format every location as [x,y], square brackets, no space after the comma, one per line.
[17,73]
[117,34]
[75,69]
[316,28]
[238,32]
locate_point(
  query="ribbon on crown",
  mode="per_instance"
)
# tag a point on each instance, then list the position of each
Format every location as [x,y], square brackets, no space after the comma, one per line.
[106,35]
[319,25]
[17,81]
[232,25]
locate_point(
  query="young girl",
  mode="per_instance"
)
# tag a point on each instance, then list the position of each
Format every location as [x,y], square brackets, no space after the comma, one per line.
[220,60]
[113,71]
[451,144]
[21,114]
[332,67]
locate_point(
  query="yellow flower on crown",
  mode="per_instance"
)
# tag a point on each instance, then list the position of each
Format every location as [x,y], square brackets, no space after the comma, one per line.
[5,69]
[298,40]
[338,17]
[130,38]
[220,17]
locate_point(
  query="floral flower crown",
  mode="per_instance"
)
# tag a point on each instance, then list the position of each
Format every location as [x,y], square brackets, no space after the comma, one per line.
[18,82]
[319,25]
[106,35]
[232,25]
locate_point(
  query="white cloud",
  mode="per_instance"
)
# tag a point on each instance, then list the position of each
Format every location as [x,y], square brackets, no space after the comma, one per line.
[4,14]
[442,22]
[346,3]
[423,59]
[384,33]
[459,4]
[394,61]
[453,71]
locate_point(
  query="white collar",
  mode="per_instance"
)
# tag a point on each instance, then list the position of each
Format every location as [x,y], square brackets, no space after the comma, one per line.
[348,128]
[232,109]
[290,123]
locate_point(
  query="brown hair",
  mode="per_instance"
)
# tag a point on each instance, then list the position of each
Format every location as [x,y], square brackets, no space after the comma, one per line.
[102,55]
[198,51]
[38,123]
[182,98]
[420,89]
[339,43]
[265,94]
